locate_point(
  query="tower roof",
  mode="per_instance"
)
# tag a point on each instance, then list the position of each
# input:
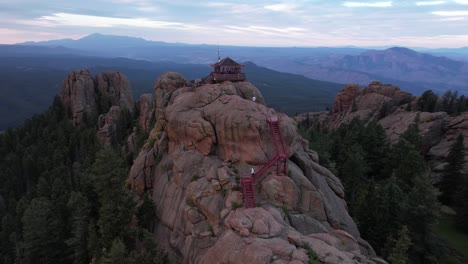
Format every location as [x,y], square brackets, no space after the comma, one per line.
[227,62]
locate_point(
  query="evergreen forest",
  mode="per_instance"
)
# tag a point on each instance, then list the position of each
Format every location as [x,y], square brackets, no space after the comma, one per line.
[63,199]
[389,190]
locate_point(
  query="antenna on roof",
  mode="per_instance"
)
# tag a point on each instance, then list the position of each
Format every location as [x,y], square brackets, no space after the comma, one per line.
[219,57]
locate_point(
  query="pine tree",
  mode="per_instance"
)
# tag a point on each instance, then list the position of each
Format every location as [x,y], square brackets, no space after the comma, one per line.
[43,241]
[452,176]
[7,247]
[399,252]
[117,206]
[412,134]
[353,171]
[146,213]
[406,164]
[392,206]
[115,216]
[421,217]
[370,218]
[427,102]
[117,254]
[462,207]
[376,149]
[147,252]
[381,216]
[79,208]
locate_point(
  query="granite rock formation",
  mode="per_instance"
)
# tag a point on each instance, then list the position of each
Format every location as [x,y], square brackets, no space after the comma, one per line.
[204,139]
[106,95]
[389,106]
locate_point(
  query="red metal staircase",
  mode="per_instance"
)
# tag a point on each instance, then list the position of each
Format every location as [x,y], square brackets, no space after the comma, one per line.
[280,159]
[248,192]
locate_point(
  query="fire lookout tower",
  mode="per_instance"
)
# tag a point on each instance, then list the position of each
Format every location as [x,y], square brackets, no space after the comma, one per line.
[227,70]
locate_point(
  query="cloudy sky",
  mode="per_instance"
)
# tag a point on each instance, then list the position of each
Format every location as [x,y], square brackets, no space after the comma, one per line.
[253,23]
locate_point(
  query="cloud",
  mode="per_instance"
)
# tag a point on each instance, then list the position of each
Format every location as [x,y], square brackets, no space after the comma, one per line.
[264,30]
[452,19]
[66,19]
[461,2]
[430,3]
[366,4]
[450,13]
[12,36]
[281,7]
[219,4]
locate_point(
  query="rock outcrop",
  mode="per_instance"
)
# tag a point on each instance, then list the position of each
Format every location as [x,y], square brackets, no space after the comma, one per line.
[106,96]
[370,103]
[205,138]
[114,89]
[453,126]
[78,95]
[388,106]
[146,108]
[107,124]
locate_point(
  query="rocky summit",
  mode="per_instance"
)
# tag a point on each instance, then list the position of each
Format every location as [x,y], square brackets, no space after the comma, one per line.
[106,95]
[204,139]
[390,107]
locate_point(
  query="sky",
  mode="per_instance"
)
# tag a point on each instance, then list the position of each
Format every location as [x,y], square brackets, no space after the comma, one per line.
[430,24]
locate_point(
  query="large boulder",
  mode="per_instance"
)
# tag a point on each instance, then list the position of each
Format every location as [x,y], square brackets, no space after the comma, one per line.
[204,140]
[431,125]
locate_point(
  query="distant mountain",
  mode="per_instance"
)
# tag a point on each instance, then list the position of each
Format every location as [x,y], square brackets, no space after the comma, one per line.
[453,53]
[29,83]
[138,48]
[98,42]
[413,71]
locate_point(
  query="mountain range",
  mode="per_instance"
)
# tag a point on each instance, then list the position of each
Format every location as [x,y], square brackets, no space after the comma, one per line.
[292,79]
[412,70]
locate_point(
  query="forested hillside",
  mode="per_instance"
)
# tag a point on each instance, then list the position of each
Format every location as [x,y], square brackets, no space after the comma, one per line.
[29,82]
[62,196]
[62,173]
[401,159]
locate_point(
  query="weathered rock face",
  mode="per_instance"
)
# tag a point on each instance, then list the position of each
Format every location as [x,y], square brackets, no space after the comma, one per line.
[369,103]
[452,128]
[345,98]
[431,125]
[204,140]
[107,124]
[115,88]
[387,105]
[83,95]
[146,108]
[78,95]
